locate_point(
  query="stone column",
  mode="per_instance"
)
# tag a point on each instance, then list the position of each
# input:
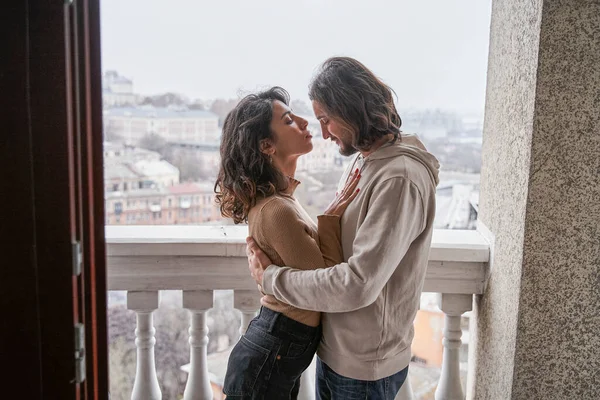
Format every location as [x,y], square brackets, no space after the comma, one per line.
[535,330]
[145,385]
[198,302]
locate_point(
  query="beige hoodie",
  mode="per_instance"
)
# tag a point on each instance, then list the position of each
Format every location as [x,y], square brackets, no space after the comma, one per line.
[370,300]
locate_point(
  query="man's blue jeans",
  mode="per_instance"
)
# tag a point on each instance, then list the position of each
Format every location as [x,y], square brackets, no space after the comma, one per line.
[332,386]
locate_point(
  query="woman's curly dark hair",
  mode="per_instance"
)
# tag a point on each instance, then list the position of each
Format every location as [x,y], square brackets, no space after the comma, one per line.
[246,173]
[358,99]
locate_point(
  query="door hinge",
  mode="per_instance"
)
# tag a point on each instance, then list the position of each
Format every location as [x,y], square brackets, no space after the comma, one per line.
[77,258]
[79,353]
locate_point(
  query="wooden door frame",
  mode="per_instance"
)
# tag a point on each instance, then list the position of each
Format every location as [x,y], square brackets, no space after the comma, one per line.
[92,187]
[41,298]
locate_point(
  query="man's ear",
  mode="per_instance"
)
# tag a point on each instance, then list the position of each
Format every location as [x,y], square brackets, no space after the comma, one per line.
[267,147]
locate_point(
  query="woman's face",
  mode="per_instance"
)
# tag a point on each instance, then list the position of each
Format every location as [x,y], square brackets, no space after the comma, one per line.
[290,133]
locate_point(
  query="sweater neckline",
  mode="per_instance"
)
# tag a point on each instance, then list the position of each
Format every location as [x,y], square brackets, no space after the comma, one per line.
[292,185]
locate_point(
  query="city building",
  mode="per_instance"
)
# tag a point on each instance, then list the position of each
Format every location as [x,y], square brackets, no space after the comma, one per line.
[206,155]
[173,123]
[128,168]
[142,189]
[114,150]
[180,204]
[325,156]
[117,90]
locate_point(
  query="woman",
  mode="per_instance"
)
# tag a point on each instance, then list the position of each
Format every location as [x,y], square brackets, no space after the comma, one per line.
[261,142]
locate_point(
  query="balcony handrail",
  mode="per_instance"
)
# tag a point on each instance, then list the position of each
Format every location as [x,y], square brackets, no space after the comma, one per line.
[179,257]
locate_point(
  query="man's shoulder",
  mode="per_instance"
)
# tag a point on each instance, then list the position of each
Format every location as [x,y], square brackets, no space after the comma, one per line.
[406,169]
[403,167]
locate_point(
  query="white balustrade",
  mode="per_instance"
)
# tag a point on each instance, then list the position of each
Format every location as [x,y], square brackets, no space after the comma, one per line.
[406,392]
[248,303]
[145,386]
[199,260]
[198,383]
[453,305]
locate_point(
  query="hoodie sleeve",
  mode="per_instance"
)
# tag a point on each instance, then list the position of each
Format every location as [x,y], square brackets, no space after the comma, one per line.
[395,218]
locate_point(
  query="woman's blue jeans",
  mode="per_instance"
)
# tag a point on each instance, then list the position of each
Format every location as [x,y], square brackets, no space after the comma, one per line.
[269,358]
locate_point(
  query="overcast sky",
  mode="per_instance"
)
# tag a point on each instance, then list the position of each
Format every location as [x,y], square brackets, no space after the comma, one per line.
[432,52]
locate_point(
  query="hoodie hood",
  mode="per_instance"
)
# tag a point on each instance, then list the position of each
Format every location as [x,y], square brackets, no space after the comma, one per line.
[412,147]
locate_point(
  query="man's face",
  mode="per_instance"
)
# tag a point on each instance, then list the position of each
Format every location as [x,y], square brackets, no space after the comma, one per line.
[332,129]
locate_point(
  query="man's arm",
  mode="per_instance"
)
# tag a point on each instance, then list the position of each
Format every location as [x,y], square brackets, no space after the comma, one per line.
[394,220]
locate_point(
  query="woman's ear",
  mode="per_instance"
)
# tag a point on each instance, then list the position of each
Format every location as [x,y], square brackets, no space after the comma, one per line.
[267,147]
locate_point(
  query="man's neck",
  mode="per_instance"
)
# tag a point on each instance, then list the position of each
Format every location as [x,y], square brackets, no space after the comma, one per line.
[377,144]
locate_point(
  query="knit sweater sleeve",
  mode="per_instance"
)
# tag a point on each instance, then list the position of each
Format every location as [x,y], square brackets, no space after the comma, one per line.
[281,229]
[330,239]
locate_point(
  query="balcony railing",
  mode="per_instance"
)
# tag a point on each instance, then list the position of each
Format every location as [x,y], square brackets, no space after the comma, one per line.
[200,259]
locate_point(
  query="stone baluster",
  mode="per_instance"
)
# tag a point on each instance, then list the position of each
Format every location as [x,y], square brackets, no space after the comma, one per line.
[248,303]
[145,386]
[405,392]
[307,382]
[198,383]
[453,305]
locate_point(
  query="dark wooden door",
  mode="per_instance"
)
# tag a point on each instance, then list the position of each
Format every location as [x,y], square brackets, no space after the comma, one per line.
[53,283]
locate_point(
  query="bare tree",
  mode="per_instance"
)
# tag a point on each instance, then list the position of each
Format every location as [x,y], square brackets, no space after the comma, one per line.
[157,143]
[122,356]
[165,100]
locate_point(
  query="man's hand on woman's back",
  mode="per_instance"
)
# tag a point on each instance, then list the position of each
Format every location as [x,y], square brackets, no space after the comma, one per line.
[258,261]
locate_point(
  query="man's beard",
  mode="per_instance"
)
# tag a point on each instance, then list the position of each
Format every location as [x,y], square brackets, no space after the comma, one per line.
[346,149]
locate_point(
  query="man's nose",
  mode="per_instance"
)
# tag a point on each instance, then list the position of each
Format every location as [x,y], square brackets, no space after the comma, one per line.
[325,132]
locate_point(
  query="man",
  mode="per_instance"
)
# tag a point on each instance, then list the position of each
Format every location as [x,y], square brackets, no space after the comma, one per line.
[369,301]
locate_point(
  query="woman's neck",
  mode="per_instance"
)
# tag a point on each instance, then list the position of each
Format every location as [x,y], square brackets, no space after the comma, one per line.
[287,167]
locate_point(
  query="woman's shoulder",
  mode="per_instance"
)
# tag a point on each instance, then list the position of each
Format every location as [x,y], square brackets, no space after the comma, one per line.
[272,206]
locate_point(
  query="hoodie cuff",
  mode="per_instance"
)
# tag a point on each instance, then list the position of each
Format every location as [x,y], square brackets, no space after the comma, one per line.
[268,278]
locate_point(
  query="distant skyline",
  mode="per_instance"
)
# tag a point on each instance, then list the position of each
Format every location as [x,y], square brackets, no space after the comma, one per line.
[433,53]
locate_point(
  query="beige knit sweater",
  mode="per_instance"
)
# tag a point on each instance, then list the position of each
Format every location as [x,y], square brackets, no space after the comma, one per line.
[287,234]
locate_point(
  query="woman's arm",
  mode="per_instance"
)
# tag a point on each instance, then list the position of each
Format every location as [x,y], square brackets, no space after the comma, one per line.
[282,230]
[330,239]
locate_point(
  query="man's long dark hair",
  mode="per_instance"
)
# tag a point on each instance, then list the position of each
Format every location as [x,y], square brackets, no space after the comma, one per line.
[351,93]
[247,174]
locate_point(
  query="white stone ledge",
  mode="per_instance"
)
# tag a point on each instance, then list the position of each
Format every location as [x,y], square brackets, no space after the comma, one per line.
[213,257]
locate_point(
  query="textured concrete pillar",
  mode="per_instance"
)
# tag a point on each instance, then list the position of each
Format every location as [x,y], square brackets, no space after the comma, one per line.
[536,331]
